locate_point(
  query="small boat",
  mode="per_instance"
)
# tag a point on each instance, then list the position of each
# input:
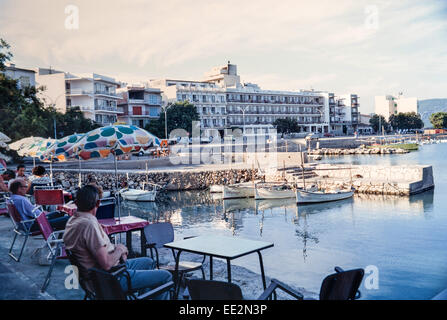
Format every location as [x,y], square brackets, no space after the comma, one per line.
[273,191]
[138,195]
[240,190]
[307,196]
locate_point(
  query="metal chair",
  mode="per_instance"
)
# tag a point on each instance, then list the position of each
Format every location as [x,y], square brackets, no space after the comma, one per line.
[108,287]
[54,242]
[222,290]
[21,227]
[158,234]
[342,285]
[107,209]
[83,276]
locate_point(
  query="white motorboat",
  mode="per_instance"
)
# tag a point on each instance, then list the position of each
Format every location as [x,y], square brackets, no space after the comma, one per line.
[273,191]
[138,195]
[307,196]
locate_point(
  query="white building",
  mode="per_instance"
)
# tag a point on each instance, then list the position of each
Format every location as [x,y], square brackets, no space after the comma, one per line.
[138,105]
[208,98]
[344,114]
[388,105]
[224,102]
[24,77]
[94,94]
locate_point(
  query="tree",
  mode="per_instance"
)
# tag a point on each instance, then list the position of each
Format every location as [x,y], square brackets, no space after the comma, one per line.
[439,120]
[378,121]
[286,125]
[180,116]
[406,120]
[23,115]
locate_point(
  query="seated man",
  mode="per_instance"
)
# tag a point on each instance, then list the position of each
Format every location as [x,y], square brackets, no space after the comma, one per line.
[88,242]
[28,211]
[5,178]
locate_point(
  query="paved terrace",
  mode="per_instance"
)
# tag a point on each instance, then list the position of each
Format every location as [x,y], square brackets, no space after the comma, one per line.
[23,280]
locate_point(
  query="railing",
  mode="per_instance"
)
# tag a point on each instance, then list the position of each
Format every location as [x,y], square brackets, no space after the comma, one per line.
[106,93]
[107,108]
[78,91]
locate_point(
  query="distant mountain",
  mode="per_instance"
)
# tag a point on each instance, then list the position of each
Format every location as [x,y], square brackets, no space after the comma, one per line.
[429,106]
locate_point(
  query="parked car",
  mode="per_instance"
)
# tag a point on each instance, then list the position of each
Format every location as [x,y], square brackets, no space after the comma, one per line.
[328,135]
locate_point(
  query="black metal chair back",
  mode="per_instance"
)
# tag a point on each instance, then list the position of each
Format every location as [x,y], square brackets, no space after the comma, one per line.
[213,290]
[159,233]
[107,209]
[83,276]
[107,285]
[342,285]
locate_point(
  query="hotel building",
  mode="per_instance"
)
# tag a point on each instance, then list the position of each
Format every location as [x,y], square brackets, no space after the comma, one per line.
[94,94]
[138,105]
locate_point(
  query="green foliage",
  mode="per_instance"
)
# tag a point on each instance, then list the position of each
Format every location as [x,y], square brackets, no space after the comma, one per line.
[180,116]
[286,125]
[378,121]
[406,120]
[439,120]
[23,115]
[5,54]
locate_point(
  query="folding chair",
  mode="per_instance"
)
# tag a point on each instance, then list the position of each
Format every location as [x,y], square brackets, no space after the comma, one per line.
[21,227]
[342,285]
[107,209]
[3,206]
[48,197]
[108,287]
[54,242]
[222,290]
[158,234]
[83,276]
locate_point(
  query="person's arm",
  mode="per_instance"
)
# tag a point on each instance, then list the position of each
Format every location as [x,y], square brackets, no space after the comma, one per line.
[30,210]
[3,186]
[107,260]
[97,243]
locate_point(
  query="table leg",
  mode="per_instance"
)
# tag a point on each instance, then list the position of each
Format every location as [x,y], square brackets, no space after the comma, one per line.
[143,243]
[229,270]
[176,275]
[211,267]
[262,270]
[129,243]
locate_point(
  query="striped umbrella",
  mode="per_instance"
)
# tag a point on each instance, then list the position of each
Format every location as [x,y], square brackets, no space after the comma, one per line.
[115,139]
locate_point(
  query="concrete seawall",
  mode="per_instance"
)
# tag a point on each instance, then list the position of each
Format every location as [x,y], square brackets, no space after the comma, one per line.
[393,180]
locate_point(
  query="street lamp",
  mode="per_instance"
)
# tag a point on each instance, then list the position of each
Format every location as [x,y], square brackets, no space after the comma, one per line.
[53,104]
[243,109]
[165,109]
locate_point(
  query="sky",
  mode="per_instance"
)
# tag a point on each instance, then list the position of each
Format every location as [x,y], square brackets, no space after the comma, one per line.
[367,47]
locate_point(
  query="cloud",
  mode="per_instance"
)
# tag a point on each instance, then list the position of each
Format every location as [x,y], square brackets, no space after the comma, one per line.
[282,45]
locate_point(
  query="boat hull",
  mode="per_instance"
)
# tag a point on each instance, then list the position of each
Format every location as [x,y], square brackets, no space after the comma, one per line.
[316,197]
[266,193]
[234,192]
[139,195]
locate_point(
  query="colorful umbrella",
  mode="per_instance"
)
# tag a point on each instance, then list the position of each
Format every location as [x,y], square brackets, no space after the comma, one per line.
[61,149]
[115,139]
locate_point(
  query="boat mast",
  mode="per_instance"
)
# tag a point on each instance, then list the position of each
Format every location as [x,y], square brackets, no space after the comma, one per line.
[302,169]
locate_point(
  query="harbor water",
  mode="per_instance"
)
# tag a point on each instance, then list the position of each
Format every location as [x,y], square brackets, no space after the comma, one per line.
[400,241]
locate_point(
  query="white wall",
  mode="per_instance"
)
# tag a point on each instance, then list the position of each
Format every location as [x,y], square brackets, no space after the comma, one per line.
[55,90]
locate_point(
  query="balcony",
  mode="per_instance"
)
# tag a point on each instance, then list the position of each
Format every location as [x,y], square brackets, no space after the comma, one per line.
[108,94]
[108,109]
[78,92]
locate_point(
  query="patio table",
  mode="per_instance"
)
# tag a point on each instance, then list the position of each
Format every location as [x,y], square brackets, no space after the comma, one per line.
[125,224]
[227,248]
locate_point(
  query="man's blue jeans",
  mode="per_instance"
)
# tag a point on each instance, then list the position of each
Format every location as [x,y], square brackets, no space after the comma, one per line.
[143,276]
